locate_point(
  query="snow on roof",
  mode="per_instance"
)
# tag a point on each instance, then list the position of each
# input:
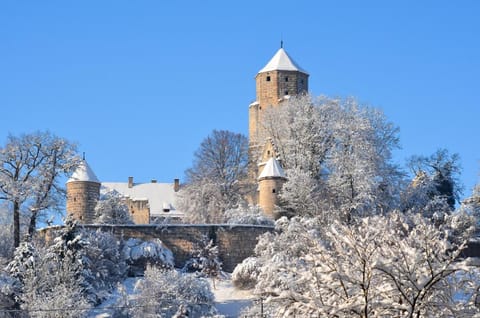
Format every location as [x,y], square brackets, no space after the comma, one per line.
[83,173]
[160,196]
[281,61]
[272,169]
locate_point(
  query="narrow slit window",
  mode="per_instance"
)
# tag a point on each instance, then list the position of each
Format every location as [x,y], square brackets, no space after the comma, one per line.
[268,78]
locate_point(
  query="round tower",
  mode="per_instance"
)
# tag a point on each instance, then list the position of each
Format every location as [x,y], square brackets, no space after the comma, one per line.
[270,183]
[83,192]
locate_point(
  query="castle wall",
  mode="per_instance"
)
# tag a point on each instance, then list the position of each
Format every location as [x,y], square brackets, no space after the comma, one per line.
[235,242]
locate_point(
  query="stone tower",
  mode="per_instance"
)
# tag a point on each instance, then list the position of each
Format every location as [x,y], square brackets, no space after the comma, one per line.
[83,192]
[270,182]
[275,83]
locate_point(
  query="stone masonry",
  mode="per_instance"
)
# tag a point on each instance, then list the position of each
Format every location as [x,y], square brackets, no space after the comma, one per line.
[235,242]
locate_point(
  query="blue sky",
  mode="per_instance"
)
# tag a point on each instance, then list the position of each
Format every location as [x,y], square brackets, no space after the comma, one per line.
[139,84]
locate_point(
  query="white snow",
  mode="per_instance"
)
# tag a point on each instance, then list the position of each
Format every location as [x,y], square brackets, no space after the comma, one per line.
[281,61]
[229,300]
[83,173]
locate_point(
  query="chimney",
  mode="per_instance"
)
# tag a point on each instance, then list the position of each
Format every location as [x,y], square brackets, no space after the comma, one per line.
[130,182]
[176,185]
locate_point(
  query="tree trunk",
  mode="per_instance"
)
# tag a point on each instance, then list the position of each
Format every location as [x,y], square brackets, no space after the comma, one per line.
[33,225]
[16,224]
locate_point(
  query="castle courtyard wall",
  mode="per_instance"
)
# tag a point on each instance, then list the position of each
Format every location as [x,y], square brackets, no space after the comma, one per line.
[235,242]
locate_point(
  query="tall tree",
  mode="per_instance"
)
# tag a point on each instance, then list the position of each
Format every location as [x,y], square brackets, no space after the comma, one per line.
[340,150]
[217,180]
[441,171]
[31,166]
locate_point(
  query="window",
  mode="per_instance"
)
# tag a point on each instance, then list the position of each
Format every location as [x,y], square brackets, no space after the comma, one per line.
[301,81]
[286,92]
[273,190]
[286,78]
[268,78]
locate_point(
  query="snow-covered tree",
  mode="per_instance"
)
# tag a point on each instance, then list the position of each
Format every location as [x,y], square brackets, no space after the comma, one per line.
[379,266]
[162,292]
[53,278]
[439,172]
[217,180]
[205,259]
[104,263]
[112,209]
[31,167]
[6,236]
[471,205]
[9,291]
[337,155]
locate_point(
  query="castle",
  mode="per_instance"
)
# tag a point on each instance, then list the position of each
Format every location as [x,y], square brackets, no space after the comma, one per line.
[279,79]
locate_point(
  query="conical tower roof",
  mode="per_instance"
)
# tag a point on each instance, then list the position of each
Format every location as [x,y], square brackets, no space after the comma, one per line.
[272,169]
[281,61]
[83,173]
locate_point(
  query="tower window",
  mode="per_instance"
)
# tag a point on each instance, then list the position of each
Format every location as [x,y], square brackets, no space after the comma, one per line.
[286,92]
[268,78]
[273,190]
[286,78]
[301,81]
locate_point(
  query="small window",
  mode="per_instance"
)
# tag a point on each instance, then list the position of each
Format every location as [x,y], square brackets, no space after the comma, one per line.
[268,78]
[286,92]
[268,152]
[301,81]
[273,190]
[286,78]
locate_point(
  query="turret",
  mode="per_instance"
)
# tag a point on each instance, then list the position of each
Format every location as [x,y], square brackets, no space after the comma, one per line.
[270,182]
[83,192]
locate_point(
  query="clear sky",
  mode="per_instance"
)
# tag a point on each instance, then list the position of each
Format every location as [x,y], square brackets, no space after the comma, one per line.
[139,84]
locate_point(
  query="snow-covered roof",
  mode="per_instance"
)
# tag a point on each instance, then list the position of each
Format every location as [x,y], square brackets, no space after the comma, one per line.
[83,173]
[281,61]
[272,169]
[160,196]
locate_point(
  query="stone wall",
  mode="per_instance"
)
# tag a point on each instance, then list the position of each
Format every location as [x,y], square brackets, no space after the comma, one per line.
[235,242]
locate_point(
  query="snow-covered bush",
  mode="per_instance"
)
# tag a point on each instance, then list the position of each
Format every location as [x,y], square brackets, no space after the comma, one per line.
[138,254]
[245,274]
[163,292]
[247,215]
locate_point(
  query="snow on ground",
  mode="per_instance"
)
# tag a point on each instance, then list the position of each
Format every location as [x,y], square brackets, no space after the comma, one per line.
[228,300]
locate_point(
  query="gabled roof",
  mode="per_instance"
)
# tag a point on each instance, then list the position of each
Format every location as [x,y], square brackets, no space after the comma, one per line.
[281,61]
[272,169]
[83,173]
[160,196]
